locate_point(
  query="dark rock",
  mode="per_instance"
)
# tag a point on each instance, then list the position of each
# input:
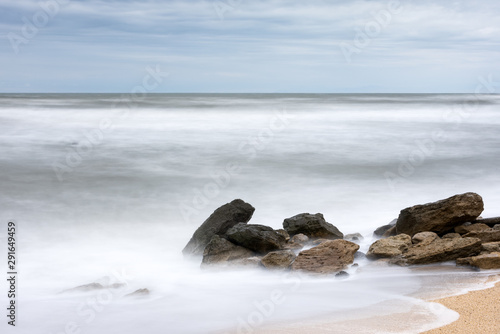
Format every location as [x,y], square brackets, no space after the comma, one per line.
[278,259]
[466,228]
[329,257]
[218,223]
[138,293]
[490,235]
[342,275]
[424,238]
[488,221]
[379,232]
[220,250]
[390,232]
[314,226]
[451,236]
[440,216]
[359,256]
[284,233]
[353,237]
[496,227]
[440,250]
[259,238]
[389,247]
[485,261]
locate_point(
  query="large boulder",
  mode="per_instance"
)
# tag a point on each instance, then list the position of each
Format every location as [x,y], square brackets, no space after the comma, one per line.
[329,257]
[484,261]
[313,226]
[389,247]
[490,235]
[441,216]
[259,238]
[220,250]
[218,223]
[439,250]
[278,259]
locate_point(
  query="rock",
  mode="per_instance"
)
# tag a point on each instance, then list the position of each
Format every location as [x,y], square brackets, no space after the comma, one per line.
[485,261]
[451,236]
[284,233]
[496,227]
[138,293]
[424,238]
[359,256]
[379,232]
[491,247]
[390,232]
[251,262]
[220,250]
[389,247]
[259,238]
[440,216]
[278,259]
[314,226]
[218,223]
[86,288]
[488,221]
[490,235]
[353,237]
[329,257]
[297,241]
[440,250]
[342,275]
[466,228]
[318,241]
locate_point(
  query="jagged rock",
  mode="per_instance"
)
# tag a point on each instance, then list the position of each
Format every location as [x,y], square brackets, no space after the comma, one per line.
[424,238]
[220,250]
[440,250]
[468,227]
[278,259]
[390,232]
[284,233]
[451,236]
[490,235]
[314,226]
[259,238]
[485,261]
[380,231]
[440,216]
[218,223]
[329,257]
[353,237]
[491,247]
[138,293]
[389,247]
[297,241]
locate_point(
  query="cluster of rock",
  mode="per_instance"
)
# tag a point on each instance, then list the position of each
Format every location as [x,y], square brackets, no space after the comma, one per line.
[446,230]
[226,238]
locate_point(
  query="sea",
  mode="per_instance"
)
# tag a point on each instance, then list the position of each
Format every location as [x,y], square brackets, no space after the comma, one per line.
[109,188]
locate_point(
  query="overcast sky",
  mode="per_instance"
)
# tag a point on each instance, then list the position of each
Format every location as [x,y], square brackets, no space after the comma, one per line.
[249,46]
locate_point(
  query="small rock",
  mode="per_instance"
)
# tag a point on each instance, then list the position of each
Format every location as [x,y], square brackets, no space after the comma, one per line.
[342,275]
[451,236]
[284,233]
[486,261]
[314,226]
[319,241]
[379,232]
[220,251]
[389,247]
[390,232]
[466,228]
[297,241]
[259,238]
[251,262]
[490,235]
[278,259]
[353,237]
[496,227]
[138,293]
[86,288]
[329,257]
[424,238]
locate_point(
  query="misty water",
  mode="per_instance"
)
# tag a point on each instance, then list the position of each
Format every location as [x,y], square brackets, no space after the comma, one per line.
[109,189]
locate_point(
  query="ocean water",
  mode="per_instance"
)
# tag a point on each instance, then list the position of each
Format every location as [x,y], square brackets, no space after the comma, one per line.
[109,188]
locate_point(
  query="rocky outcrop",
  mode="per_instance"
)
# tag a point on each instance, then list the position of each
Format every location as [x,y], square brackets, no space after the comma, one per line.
[329,257]
[484,261]
[258,238]
[380,231]
[389,247]
[489,235]
[218,223]
[441,216]
[220,251]
[440,250]
[314,226]
[278,259]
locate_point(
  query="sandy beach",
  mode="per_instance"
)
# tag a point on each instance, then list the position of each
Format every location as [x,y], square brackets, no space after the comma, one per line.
[479,312]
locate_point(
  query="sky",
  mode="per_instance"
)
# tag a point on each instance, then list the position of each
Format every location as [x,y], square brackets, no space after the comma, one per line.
[243,46]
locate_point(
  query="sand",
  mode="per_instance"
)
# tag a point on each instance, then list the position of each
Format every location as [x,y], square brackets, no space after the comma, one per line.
[479,312]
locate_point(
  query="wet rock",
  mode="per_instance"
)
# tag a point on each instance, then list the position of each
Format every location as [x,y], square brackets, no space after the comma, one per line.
[490,235]
[440,250]
[278,259]
[354,237]
[319,241]
[485,261]
[314,226]
[440,216]
[380,231]
[451,236]
[466,228]
[424,238]
[329,257]
[219,222]
[258,238]
[389,247]
[139,293]
[220,250]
